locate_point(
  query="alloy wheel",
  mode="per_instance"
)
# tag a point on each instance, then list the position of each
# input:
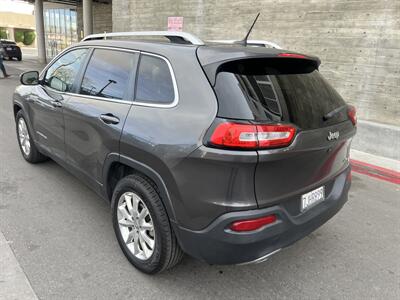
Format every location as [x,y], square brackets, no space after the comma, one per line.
[136,225]
[24,138]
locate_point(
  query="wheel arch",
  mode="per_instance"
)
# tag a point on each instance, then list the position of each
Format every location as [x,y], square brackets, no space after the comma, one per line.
[16,108]
[118,166]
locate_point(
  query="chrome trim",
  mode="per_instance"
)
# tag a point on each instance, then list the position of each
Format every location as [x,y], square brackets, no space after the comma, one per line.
[100,98]
[41,134]
[194,40]
[176,94]
[260,259]
[133,102]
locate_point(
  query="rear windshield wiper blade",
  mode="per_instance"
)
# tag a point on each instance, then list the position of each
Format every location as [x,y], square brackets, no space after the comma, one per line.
[334,112]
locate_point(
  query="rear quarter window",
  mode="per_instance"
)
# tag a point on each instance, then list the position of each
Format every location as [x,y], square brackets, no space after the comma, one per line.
[154,81]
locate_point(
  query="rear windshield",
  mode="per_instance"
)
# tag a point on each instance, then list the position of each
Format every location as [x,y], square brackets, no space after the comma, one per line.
[8,43]
[260,93]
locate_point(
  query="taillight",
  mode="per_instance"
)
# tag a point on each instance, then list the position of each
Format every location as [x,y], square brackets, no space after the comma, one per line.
[291,55]
[270,136]
[351,112]
[248,136]
[252,224]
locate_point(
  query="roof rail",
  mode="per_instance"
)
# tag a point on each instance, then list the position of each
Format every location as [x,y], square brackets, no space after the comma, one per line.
[260,43]
[174,36]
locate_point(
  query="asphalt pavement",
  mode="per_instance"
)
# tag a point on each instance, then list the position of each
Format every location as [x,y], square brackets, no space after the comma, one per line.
[61,235]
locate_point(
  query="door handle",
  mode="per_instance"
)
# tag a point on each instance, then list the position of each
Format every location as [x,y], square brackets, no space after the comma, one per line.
[56,103]
[109,119]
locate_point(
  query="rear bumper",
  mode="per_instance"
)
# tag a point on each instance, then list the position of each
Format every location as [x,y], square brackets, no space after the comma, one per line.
[12,53]
[217,244]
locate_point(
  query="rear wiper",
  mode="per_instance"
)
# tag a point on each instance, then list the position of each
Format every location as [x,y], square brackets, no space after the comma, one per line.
[334,112]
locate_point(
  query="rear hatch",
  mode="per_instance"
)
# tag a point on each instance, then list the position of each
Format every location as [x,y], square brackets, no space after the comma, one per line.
[9,46]
[286,90]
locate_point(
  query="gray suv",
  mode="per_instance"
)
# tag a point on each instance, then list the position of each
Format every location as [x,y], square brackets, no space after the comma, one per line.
[228,153]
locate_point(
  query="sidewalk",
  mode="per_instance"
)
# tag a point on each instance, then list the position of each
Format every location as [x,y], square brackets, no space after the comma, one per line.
[13,282]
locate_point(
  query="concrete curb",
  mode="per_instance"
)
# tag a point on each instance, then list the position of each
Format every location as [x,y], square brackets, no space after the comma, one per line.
[375,171]
[378,139]
[13,282]
[375,166]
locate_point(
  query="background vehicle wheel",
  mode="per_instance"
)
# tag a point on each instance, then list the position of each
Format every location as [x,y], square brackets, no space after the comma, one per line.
[19,58]
[25,141]
[142,226]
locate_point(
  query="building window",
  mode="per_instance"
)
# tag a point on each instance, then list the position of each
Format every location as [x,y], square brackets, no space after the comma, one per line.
[60,29]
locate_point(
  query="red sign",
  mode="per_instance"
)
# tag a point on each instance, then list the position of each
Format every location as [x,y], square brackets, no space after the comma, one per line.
[175,23]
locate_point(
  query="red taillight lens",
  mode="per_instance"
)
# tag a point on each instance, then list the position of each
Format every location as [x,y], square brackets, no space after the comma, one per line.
[274,135]
[247,136]
[235,135]
[252,224]
[351,112]
[291,55]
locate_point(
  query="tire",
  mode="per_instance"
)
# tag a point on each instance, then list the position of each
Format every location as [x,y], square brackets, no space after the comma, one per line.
[19,58]
[166,251]
[33,155]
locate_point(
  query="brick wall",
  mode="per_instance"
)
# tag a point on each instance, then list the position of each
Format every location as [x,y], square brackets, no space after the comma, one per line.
[357,41]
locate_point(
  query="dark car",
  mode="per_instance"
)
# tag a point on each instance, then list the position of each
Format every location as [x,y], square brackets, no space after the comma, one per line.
[228,153]
[10,49]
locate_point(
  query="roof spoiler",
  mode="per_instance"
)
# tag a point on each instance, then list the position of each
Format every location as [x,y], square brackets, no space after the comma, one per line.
[289,63]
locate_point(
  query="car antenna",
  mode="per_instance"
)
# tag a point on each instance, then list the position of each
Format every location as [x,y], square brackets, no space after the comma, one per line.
[244,41]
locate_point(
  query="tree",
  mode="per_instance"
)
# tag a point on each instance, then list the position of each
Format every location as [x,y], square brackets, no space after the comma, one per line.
[19,36]
[3,33]
[29,37]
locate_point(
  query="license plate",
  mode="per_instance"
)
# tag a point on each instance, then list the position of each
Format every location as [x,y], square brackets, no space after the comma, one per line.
[312,198]
[9,48]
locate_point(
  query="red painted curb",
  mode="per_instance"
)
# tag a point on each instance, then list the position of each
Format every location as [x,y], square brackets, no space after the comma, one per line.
[375,171]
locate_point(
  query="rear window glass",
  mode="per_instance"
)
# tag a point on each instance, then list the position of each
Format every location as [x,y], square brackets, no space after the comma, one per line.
[154,81]
[6,43]
[303,99]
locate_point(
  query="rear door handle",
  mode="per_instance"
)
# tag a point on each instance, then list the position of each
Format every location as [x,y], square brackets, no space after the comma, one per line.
[109,119]
[56,103]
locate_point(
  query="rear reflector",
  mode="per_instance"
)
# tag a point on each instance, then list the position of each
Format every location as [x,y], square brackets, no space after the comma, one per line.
[349,176]
[247,136]
[351,112]
[291,55]
[252,224]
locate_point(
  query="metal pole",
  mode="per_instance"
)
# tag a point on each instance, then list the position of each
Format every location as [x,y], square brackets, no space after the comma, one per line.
[41,46]
[87,17]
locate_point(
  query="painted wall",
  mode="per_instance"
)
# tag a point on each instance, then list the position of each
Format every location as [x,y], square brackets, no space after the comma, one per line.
[358,41]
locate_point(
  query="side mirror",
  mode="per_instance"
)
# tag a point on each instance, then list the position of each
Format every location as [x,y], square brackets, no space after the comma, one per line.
[29,78]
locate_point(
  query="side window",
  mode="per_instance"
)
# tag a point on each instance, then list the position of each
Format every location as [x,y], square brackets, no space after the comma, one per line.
[61,75]
[107,74]
[154,81]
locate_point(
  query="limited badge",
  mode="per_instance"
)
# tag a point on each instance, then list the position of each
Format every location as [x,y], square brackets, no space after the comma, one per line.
[333,135]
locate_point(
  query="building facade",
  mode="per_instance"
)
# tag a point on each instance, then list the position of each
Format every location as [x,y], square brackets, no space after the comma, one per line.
[357,41]
[13,24]
[64,25]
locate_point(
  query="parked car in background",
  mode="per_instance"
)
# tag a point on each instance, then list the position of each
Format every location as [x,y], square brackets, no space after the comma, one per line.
[10,49]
